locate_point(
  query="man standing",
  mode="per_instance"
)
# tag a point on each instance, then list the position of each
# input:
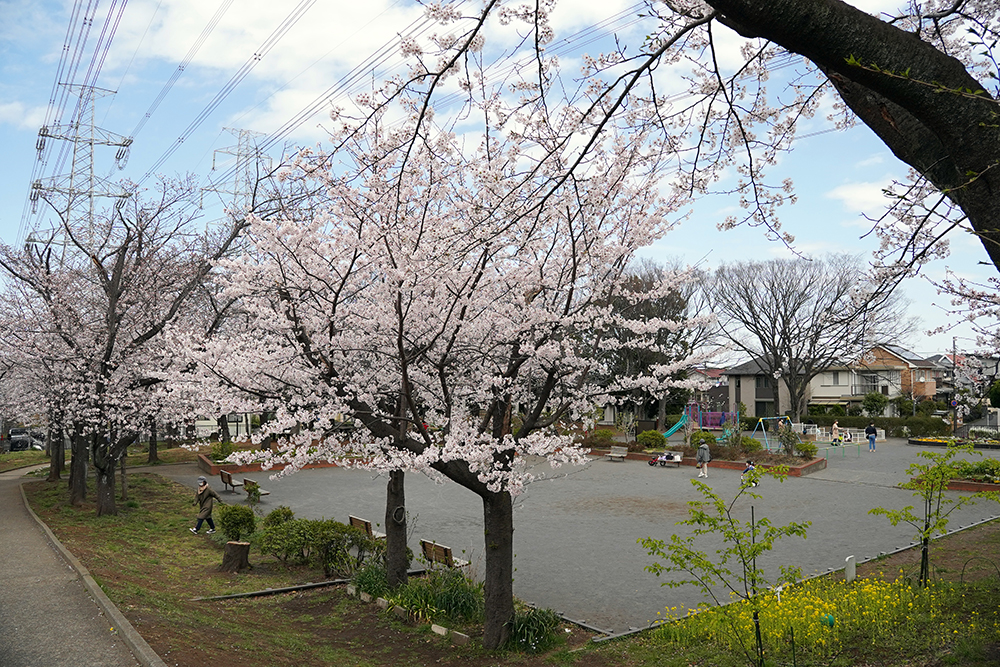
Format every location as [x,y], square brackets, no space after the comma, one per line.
[870,432]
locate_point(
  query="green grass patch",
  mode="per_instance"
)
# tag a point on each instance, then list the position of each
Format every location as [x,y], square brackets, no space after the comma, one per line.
[12,460]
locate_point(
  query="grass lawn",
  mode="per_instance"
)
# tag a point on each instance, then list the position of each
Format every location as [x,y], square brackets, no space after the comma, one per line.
[152,567]
[12,460]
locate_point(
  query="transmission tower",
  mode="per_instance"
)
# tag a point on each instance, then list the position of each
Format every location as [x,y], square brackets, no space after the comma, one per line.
[73,195]
[251,164]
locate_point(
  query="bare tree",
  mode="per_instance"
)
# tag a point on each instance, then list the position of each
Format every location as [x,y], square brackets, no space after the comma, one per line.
[798,317]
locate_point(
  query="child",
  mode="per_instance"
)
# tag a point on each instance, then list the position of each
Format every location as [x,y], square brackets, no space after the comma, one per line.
[750,466]
[205,497]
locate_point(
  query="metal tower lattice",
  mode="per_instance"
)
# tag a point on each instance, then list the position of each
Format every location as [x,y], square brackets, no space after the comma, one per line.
[72,196]
[246,173]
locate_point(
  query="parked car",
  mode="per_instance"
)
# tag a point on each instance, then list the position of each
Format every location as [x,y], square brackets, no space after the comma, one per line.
[21,440]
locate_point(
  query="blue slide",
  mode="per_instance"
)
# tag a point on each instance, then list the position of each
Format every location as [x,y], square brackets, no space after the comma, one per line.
[676,427]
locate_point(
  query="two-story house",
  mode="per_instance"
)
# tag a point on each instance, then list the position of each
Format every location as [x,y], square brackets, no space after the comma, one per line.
[890,370]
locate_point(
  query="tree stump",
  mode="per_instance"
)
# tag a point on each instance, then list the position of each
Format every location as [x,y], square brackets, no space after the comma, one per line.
[236,557]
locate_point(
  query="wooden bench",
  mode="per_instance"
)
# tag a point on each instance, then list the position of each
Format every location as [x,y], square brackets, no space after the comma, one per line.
[440,554]
[228,481]
[617,451]
[366,526]
[249,485]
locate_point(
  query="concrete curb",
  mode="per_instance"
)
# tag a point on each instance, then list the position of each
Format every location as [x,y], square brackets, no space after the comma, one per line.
[142,652]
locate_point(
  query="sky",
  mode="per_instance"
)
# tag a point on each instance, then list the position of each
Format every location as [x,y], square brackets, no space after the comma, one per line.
[283,65]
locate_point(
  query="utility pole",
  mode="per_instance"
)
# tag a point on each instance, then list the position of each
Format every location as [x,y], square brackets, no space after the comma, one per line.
[72,196]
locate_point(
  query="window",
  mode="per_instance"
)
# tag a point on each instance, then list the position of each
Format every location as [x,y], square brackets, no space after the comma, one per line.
[763,381]
[836,378]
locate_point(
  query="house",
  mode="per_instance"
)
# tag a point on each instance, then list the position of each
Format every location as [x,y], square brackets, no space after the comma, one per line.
[890,370]
[753,386]
[715,392]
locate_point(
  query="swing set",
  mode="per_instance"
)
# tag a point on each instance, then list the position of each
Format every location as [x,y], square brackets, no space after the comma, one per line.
[762,427]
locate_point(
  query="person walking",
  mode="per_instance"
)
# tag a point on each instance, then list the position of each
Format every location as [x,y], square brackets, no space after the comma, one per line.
[704,456]
[205,497]
[835,434]
[871,432]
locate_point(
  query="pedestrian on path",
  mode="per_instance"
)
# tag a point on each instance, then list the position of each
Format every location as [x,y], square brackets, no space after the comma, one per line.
[704,456]
[205,497]
[835,434]
[871,432]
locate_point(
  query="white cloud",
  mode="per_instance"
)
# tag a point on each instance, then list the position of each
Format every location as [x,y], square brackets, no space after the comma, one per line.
[20,116]
[861,197]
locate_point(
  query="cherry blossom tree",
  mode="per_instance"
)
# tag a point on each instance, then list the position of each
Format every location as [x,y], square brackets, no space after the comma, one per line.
[100,305]
[443,294]
[706,77]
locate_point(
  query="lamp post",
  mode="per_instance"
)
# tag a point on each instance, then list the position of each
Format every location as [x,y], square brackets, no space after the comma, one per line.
[954,386]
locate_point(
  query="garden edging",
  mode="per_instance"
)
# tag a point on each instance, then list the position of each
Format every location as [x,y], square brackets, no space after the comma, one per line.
[801,470]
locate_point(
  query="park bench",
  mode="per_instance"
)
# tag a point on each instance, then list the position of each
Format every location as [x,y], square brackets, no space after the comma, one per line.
[366,526]
[672,458]
[440,554]
[249,486]
[228,481]
[617,451]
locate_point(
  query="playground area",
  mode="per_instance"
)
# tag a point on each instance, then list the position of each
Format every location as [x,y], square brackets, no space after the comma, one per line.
[576,528]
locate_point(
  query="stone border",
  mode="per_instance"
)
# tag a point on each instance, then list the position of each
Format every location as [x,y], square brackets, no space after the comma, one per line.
[457,638]
[966,485]
[141,651]
[801,470]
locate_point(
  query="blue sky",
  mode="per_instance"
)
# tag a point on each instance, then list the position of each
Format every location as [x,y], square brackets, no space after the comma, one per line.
[838,174]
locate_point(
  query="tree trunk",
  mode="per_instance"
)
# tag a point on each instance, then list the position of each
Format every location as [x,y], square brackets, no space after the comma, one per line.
[396,562]
[57,453]
[235,558]
[498,515]
[153,454]
[104,468]
[124,481]
[78,467]
[223,423]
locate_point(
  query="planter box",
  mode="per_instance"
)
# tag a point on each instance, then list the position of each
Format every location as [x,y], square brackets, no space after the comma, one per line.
[211,468]
[793,470]
[966,485]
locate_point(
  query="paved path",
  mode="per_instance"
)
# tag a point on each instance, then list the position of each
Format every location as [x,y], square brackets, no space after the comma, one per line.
[575,531]
[47,618]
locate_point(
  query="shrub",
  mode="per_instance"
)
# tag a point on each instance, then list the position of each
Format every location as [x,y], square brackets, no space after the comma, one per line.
[287,540]
[533,630]
[237,521]
[750,445]
[806,450]
[604,436]
[279,514]
[702,436]
[836,411]
[651,440]
[221,450]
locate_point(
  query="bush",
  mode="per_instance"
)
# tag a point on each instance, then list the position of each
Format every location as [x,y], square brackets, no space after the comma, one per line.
[533,630]
[806,450]
[237,521]
[221,450]
[702,436]
[333,546]
[651,440]
[279,514]
[750,445]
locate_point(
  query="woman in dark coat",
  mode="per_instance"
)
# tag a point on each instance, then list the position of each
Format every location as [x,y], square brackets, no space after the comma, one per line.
[205,498]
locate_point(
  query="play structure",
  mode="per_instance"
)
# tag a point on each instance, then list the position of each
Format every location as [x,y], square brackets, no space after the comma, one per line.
[704,420]
[762,427]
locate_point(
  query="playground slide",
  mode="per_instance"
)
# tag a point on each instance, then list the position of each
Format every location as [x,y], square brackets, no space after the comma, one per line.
[676,427]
